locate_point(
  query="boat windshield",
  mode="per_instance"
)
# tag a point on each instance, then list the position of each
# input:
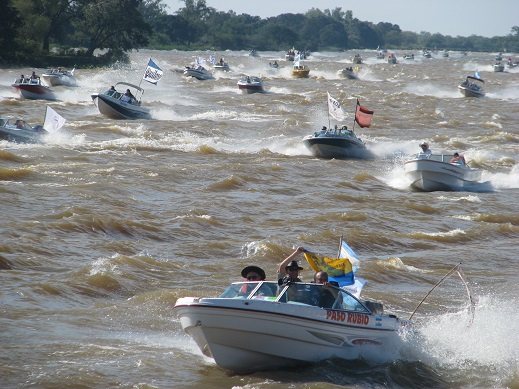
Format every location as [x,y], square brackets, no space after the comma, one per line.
[296,293]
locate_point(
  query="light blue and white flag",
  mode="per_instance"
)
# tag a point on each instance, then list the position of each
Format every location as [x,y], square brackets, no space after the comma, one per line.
[212,59]
[153,73]
[477,75]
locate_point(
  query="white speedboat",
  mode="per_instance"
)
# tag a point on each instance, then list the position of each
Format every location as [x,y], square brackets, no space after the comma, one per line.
[199,72]
[438,173]
[357,59]
[498,67]
[17,130]
[56,77]
[32,89]
[256,326]
[117,105]
[348,73]
[472,87]
[251,84]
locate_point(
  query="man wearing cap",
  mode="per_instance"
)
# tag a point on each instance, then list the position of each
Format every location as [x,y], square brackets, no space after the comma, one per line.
[288,270]
[426,151]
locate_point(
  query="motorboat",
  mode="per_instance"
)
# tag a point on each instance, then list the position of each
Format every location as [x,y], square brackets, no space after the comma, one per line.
[59,76]
[436,172]
[511,63]
[300,71]
[336,143]
[117,105]
[251,84]
[33,89]
[498,67]
[348,73]
[499,57]
[340,142]
[273,67]
[18,130]
[290,55]
[357,59]
[199,72]
[221,65]
[391,58]
[381,53]
[426,54]
[445,54]
[254,326]
[409,57]
[253,53]
[472,87]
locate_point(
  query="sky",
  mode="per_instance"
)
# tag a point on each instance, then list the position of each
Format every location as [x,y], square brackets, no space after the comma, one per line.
[448,17]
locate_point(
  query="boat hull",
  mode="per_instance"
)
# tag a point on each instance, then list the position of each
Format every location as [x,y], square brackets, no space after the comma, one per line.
[430,175]
[246,336]
[22,135]
[117,109]
[468,92]
[300,73]
[58,80]
[336,147]
[248,88]
[346,73]
[198,74]
[34,92]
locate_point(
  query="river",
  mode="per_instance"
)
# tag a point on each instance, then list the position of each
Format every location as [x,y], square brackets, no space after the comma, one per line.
[109,222]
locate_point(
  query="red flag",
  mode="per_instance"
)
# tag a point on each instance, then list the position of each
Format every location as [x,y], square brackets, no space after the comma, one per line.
[363,115]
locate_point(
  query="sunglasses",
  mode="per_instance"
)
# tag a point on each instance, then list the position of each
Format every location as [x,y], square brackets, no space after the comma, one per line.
[251,278]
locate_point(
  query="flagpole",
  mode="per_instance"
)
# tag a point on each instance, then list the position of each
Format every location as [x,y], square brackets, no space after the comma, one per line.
[355,116]
[328,109]
[340,245]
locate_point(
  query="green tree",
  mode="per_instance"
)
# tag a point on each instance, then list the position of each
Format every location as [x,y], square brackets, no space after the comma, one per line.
[116,25]
[9,21]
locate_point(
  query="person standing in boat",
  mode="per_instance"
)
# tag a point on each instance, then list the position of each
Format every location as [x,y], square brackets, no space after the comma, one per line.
[426,151]
[288,270]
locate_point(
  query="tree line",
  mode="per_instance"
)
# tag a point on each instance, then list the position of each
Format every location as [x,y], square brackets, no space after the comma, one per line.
[104,31]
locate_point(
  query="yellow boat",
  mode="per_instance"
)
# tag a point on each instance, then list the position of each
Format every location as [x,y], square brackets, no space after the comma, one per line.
[300,71]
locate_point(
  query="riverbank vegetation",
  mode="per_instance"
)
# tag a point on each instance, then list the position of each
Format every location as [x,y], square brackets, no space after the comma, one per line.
[99,32]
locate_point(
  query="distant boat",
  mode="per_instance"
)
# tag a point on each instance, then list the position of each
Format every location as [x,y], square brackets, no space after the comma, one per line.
[437,173]
[59,76]
[117,105]
[18,130]
[251,84]
[498,67]
[299,70]
[33,89]
[348,73]
[340,142]
[357,59]
[472,87]
[391,58]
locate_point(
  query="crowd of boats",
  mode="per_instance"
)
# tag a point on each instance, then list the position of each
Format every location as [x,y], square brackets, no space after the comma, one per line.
[123,101]
[293,322]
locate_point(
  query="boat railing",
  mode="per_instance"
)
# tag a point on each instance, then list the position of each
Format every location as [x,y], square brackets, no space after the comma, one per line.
[436,157]
[298,293]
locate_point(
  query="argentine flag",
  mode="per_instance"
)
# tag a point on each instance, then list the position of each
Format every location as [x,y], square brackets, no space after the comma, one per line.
[477,75]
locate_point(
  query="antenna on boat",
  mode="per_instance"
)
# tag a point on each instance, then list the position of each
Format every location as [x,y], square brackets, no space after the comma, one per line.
[457,269]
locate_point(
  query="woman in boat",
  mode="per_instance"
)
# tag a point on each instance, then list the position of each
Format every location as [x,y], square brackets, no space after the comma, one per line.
[459,159]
